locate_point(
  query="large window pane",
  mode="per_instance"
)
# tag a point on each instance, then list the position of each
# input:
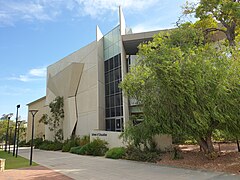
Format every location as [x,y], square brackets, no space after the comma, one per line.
[116,61]
[112,112]
[107,101]
[112,88]
[108,124]
[107,113]
[112,124]
[111,63]
[111,101]
[117,100]
[118,111]
[117,74]
[111,76]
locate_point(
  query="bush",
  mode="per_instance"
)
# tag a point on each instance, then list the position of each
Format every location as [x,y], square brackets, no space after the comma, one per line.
[51,146]
[136,154]
[97,147]
[75,150]
[176,153]
[115,153]
[84,140]
[68,144]
[37,142]
[24,143]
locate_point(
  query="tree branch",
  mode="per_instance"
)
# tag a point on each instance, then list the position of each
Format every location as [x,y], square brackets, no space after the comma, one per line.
[214,29]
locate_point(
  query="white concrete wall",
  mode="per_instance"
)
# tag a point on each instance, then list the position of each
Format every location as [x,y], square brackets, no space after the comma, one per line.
[88,102]
[111,137]
[163,141]
[39,128]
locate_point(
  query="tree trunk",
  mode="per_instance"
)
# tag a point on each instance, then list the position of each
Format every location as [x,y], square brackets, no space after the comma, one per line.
[209,143]
[206,144]
[230,33]
[238,145]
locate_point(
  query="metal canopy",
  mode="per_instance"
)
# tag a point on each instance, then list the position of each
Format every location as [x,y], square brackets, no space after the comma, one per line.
[131,41]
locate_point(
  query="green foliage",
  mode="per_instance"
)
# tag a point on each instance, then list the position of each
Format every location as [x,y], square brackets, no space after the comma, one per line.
[23,143]
[116,153]
[55,121]
[74,145]
[139,134]
[51,146]
[97,147]
[176,153]
[14,163]
[211,12]
[136,154]
[84,140]
[37,142]
[68,144]
[75,150]
[3,128]
[59,135]
[185,88]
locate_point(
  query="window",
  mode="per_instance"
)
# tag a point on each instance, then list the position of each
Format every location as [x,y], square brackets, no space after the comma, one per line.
[114,124]
[113,94]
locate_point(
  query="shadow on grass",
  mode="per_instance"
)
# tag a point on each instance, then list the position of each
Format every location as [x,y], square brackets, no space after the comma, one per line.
[14,163]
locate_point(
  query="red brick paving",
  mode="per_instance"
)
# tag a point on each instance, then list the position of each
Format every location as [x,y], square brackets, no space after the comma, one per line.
[34,172]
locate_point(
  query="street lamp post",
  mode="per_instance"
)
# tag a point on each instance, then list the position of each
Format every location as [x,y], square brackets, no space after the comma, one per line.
[8,118]
[15,131]
[19,123]
[33,112]
[9,142]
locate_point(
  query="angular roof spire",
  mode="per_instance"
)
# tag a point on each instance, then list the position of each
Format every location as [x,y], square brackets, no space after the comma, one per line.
[99,34]
[122,21]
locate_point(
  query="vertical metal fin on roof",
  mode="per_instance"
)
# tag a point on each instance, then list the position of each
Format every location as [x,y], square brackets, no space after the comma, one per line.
[122,21]
[99,34]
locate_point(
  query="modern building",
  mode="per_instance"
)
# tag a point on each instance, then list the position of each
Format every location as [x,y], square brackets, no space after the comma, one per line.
[88,80]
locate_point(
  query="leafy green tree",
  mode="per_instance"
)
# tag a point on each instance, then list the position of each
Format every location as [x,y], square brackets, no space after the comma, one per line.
[55,121]
[211,12]
[186,87]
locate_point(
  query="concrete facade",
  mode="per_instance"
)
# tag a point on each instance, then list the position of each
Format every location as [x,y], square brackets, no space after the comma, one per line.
[39,128]
[88,81]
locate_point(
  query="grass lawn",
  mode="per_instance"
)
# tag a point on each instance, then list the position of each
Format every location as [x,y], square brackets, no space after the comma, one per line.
[12,162]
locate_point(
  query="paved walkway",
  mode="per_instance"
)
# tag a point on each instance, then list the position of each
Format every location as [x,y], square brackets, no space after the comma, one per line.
[99,168]
[30,173]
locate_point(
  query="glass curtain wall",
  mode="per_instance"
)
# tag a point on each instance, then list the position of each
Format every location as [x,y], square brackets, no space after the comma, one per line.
[113,76]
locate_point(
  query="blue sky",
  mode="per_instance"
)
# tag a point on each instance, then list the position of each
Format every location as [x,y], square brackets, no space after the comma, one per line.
[37,33]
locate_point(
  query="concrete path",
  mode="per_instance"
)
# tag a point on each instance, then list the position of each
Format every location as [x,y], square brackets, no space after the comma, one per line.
[99,168]
[34,172]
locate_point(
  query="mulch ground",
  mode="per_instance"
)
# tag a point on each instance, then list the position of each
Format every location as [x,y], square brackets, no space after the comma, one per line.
[228,160]
[34,172]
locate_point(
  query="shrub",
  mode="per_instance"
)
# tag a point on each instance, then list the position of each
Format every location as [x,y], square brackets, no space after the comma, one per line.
[115,153]
[68,144]
[176,153]
[37,142]
[75,150]
[84,140]
[136,154]
[77,141]
[97,147]
[84,150]
[51,146]
[24,143]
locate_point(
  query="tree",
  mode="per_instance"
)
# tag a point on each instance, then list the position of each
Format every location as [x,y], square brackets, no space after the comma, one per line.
[226,12]
[187,87]
[55,121]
